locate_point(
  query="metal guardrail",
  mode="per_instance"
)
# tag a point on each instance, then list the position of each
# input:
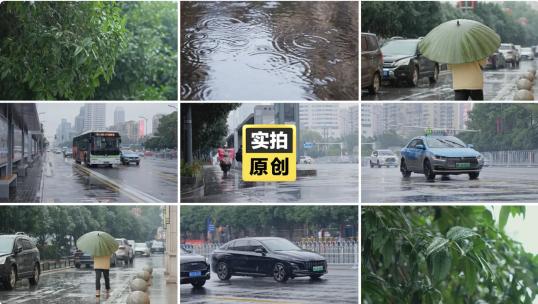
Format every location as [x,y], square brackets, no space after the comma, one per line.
[48,265]
[345,252]
[522,158]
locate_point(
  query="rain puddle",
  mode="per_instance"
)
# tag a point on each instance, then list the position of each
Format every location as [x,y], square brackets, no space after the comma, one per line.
[269,50]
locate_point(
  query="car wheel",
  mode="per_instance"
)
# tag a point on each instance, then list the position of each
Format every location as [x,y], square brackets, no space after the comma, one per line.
[435,76]
[413,80]
[198,283]
[137,163]
[428,171]
[77,266]
[9,282]
[378,165]
[376,84]
[474,175]
[35,276]
[371,165]
[403,169]
[315,276]
[279,273]
[223,272]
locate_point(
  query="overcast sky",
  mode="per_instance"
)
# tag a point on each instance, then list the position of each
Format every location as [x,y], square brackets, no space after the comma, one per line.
[54,112]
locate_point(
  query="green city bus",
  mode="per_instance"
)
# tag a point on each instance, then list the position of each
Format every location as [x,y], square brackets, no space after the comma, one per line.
[97,148]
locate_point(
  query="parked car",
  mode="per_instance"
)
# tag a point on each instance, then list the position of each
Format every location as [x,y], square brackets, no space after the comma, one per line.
[511,54]
[496,61]
[125,252]
[85,259]
[19,259]
[371,63]
[127,157]
[444,155]
[157,246]
[142,249]
[403,61]
[266,256]
[527,53]
[381,158]
[305,160]
[194,269]
[68,153]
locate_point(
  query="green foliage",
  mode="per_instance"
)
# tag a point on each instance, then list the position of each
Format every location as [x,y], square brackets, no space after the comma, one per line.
[147,66]
[166,137]
[442,254]
[209,127]
[416,18]
[56,224]
[503,127]
[88,50]
[191,170]
[260,220]
[58,50]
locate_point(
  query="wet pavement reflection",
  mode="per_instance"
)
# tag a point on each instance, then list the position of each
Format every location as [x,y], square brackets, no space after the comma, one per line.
[152,181]
[77,286]
[499,84]
[339,285]
[269,50]
[495,184]
[333,183]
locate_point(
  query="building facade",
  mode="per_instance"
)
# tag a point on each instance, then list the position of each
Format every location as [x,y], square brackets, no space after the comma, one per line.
[94,116]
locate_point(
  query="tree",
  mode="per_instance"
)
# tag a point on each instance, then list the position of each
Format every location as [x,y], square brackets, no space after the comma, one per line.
[443,254]
[147,67]
[166,137]
[58,50]
[209,126]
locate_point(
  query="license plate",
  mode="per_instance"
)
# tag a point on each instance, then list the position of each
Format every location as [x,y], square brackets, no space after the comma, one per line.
[195,273]
[463,165]
[317,268]
[385,74]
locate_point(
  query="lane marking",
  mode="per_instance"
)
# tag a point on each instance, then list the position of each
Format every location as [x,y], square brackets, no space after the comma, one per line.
[253,300]
[134,194]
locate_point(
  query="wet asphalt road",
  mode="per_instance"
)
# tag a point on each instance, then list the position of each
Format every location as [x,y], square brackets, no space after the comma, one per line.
[281,50]
[77,286]
[499,84]
[339,285]
[334,183]
[154,180]
[495,184]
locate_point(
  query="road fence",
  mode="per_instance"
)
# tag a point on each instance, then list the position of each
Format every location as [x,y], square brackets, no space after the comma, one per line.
[522,158]
[48,265]
[336,252]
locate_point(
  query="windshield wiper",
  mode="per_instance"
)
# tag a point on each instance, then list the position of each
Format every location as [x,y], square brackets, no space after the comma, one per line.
[457,144]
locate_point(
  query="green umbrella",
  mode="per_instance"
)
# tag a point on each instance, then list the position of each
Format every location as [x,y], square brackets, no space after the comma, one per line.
[459,41]
[97,243]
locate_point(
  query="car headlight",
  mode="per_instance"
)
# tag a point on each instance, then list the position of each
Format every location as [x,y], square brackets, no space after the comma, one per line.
[479,157]
[439,158]
[402,62]
[3,259]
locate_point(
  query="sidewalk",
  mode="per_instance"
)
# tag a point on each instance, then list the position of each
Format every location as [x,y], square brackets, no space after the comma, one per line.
[28,187]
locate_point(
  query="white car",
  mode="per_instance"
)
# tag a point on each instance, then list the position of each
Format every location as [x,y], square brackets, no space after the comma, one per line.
[382,158]
[305,160]
[527,53]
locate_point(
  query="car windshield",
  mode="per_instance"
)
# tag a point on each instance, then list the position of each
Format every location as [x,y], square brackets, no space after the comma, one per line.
[400,47]
[444,142]
[526,50]
[140,246]
[280,245]
[386,153]
[184,251]
[6,245]
[505,46]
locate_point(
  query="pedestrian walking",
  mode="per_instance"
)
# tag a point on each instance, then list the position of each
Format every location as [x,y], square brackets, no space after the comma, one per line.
[464,45]
[101,246]
[468,80]
[101,265]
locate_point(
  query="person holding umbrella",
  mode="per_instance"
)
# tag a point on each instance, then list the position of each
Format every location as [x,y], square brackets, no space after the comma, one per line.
[464,45]
[101,246]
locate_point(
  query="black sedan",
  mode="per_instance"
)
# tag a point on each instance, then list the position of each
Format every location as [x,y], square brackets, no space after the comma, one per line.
[266,256]
[194,269]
